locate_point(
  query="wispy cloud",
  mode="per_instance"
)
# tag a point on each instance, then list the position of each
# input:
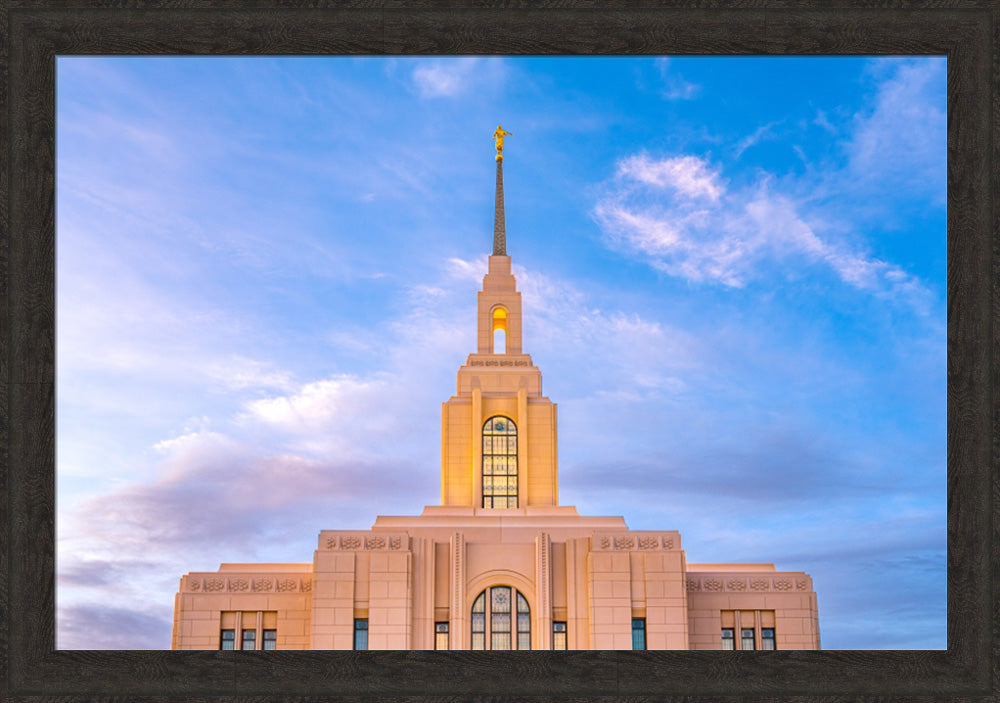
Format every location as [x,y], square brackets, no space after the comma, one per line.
[759,134]
[674,86]
[688,176]
[678,214]
[899,141]
[446,78]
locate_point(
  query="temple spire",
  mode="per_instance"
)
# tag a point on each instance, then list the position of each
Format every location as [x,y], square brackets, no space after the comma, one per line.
[499,233]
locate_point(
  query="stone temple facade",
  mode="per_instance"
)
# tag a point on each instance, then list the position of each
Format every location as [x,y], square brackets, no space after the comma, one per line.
[499,564]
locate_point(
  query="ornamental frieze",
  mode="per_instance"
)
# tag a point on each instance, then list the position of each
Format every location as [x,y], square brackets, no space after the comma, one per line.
[631,541]
[367,542]
[248,583]
[730,583]
[262,585]
[499,362]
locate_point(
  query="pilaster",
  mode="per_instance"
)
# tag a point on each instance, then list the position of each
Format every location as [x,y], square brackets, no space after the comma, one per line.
[477,447]
[522,447]
[543,588]
[458,627]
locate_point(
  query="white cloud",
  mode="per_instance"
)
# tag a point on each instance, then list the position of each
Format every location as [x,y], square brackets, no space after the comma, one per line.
[759,134]
[344,407]
[674,86]
[899,143]
[449,77]
[687,175]
[679,215]
[822,121]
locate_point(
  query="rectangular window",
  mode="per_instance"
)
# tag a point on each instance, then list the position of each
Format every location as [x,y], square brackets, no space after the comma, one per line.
[440,635]
[249,640]
[638,633]
[270,639]
[361,634]
[558,635]
[728,638]
[228,639]
[746,634]
[767,638]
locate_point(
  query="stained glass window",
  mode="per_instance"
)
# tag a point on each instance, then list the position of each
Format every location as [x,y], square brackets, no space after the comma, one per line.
[509,625]
[500,617]
[479,622]
[523,623]
[499,463]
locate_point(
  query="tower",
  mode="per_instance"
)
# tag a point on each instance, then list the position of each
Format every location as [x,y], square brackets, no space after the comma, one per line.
[498,430]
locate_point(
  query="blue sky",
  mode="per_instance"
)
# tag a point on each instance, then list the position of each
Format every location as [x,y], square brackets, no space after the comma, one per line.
[733,279]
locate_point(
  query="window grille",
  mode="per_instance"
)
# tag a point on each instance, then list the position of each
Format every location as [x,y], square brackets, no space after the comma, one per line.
[499,463]
[509,623]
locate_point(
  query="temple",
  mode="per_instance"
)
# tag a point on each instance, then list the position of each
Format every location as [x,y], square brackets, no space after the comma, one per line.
[499,564]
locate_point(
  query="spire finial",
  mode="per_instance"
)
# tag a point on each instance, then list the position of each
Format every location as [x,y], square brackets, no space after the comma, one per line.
[498,138]
[499,235]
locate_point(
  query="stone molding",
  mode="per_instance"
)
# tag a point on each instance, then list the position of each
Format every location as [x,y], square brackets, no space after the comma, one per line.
[499,362]
[748,583]
[635,541]
[365,541]
[249,584]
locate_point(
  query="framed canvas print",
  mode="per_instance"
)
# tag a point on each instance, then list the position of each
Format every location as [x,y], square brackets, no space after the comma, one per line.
[758,298]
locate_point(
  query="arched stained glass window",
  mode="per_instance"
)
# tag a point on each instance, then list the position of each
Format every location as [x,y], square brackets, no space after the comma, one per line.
[499,463]
[505,619]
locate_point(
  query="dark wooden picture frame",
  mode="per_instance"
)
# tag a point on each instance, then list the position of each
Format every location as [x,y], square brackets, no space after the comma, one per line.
[967,31]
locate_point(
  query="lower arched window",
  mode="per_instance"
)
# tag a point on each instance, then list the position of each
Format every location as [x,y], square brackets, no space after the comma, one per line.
[507,622]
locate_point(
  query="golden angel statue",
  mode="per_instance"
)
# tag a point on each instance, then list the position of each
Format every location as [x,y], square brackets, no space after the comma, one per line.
[498,135]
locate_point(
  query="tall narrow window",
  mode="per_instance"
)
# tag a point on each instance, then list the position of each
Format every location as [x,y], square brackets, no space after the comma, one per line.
[361,634]
[270,639]
[500,617]
[509,623]
[228,639]
[440,635]
[558,635]
[746,635]
[767,638]
[249,639]
[523,622]
[728,638]
[479,622]
[638,633]
[499,463]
